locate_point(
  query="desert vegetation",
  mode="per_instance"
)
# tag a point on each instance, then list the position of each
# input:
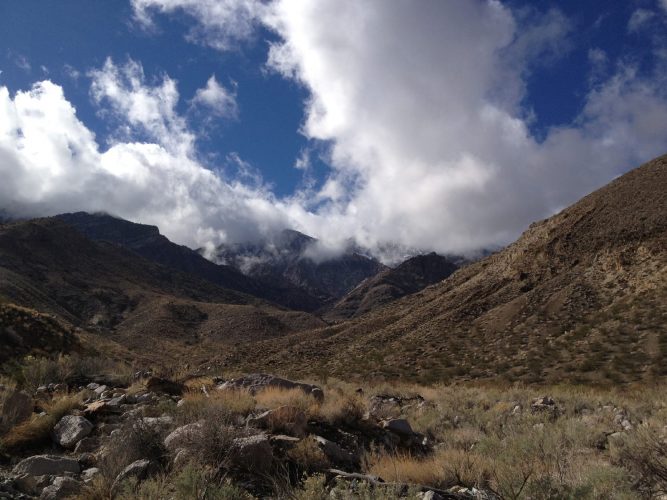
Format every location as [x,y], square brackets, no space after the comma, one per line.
[205,437]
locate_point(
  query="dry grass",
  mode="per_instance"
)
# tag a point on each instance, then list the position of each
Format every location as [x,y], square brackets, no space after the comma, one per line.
[308,456]
[399,468]
[37,431]
[273,397]
[231,404]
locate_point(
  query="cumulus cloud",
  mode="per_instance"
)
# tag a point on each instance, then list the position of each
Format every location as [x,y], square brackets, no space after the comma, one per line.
[423,109]
[50,163]
[216,98]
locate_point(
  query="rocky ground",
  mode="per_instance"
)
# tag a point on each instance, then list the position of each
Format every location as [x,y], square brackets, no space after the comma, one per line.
[261,436]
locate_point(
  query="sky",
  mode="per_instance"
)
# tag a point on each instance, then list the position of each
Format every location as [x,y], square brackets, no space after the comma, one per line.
[411,125]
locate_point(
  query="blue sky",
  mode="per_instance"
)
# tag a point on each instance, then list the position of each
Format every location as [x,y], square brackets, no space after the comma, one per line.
[428,125]
[80,34]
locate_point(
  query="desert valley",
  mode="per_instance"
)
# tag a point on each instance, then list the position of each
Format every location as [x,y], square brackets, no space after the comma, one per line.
[333,249]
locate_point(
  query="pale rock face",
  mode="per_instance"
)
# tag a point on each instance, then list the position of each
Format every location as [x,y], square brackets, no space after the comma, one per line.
[70,430]
[179,437]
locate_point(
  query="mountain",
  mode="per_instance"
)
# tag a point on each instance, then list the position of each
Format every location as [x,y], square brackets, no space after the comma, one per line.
[292,256]
[579,297]
[409,277]
[147,241]
[50,267]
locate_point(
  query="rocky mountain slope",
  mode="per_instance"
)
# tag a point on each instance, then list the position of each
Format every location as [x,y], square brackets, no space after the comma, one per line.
[147,241]
[409,277]
[287,257]
[101,287]
[581,296]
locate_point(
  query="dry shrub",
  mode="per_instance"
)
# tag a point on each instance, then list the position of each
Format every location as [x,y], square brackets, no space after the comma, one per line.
[339,408]
[644,454]
[35,372]
[37,431]
[195,384]
[308,456]
[228,405]
[404,468]
[136,441]
[213,444]
[273,397]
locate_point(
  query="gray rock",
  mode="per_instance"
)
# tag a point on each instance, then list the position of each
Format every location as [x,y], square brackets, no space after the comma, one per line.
[179,438]
[41,465]
[139,470]
[334,452]
[116,401]
[32,485]
[100,389]
[70,430]
[92,386]
[86,445]
[252,453]
[157,422]
[90,474]
[258,381]
[398,426]
[62,487]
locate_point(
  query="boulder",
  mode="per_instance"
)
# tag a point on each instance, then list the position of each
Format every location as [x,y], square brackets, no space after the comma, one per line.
[70,430]
[545,404]
[100,390]
[87,445]
[139,470]
[115,402]
[156,384]
[62,487]
[180,437]
[90,474]
[398,426]
[334,452]
[288,419]
[17,407]
[41,465]
[258,381]
[252,453]
[32,485]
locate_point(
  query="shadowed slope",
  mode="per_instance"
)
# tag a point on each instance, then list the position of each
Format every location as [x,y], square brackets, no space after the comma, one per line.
[409,277]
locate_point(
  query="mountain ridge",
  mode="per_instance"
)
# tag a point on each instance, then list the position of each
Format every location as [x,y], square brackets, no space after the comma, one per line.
[581,296]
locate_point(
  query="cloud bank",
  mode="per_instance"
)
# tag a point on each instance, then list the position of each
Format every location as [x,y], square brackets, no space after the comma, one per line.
[424,111]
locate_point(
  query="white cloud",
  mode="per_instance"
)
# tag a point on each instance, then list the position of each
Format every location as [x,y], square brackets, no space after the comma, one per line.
[422,109]
[639,18]
[663,4]
[51,163]
[217,98]
[221,23]
[143,109]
